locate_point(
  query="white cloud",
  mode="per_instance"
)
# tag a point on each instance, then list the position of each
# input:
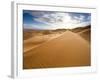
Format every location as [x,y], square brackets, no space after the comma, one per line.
[61,20]
[81,18]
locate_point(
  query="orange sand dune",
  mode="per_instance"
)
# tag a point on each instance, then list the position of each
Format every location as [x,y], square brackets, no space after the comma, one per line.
[36,41]
[68,50]
[86,34]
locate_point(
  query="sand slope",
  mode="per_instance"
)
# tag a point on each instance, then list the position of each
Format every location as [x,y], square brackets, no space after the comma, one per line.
[36,41]
[86,34]
[70,49]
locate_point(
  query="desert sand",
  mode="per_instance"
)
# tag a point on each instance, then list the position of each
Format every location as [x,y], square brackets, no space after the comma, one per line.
[70,49]
[36,41]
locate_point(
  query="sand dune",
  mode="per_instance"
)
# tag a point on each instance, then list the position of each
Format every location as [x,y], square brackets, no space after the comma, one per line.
[86,34]
[36,41]
[67,50]
[33,42]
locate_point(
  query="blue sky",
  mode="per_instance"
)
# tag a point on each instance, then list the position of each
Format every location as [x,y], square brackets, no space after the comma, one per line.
[54,19]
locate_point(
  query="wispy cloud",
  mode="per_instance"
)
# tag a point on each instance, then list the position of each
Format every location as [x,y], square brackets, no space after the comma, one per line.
[54,20]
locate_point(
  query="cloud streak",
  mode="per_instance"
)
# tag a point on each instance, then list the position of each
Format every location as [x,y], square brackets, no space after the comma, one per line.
[55,20]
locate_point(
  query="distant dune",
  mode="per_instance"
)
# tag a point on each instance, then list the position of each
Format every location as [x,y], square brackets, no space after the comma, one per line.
[85,32]
[79,29]
[68,49]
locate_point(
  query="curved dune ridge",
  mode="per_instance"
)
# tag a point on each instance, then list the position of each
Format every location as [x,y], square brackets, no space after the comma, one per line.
[67,50]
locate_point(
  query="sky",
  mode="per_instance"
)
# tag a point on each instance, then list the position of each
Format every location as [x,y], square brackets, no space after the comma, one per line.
[51,20]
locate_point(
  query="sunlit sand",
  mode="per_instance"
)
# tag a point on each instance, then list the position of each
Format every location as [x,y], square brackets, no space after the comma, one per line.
[68,48]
